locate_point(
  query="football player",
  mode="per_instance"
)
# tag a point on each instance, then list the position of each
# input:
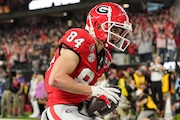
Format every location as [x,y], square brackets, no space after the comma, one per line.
[81,58]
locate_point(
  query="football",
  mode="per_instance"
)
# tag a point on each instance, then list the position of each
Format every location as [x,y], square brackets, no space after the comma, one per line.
[98,107]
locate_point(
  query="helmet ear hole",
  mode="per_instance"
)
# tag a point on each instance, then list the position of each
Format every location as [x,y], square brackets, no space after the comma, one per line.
[105,26]
[99,27]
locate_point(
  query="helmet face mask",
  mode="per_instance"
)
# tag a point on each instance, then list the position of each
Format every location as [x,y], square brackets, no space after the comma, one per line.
[117,36]
[102,21]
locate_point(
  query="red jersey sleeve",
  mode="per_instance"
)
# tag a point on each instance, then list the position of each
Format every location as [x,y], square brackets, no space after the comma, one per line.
[77,40]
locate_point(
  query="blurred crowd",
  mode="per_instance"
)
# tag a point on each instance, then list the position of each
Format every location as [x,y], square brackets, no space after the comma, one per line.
[156,33]
[17,96]
[11,2]
[149,92]
[29,43]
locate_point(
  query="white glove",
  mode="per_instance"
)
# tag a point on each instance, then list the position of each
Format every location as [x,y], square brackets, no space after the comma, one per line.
[106,94]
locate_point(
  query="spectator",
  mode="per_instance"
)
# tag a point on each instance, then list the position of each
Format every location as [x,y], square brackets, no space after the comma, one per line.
[148,38]
[125,105]
[157,70]
[140,79]
[17,89]
[102,81]
[168,89]
[35,59]
[145,69]
[177,40]
[161,45]
[3,58]
[166,85]
[145,106]
[141,46]
[171,46]
[22,56]
[2,81]
[31,95]
[13,60]
[7,95]
[132,50]
[172,79]
[40,93]
[112,75]
[20,78]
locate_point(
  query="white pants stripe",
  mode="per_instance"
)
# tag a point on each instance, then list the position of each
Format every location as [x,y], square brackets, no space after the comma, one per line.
[64,112]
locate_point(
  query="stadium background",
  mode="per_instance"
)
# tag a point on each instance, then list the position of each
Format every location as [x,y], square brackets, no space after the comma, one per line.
[15,13]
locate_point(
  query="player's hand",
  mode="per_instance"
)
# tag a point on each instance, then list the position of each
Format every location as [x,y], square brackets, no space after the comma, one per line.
[106,94]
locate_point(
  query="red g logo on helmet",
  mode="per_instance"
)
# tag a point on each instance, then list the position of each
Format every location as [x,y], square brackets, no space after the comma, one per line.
[102,9]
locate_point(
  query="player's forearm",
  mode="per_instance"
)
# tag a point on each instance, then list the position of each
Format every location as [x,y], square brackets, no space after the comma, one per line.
[68,84]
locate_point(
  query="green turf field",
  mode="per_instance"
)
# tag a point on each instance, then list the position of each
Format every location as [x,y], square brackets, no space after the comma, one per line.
[25,117]
[20,118]
[177,117]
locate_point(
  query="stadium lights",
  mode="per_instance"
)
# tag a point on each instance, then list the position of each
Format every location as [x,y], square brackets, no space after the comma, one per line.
[64,14]
[40,4]
[125,5]
[11,20]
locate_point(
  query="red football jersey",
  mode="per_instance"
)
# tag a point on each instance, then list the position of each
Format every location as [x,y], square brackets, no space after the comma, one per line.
[90,68]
